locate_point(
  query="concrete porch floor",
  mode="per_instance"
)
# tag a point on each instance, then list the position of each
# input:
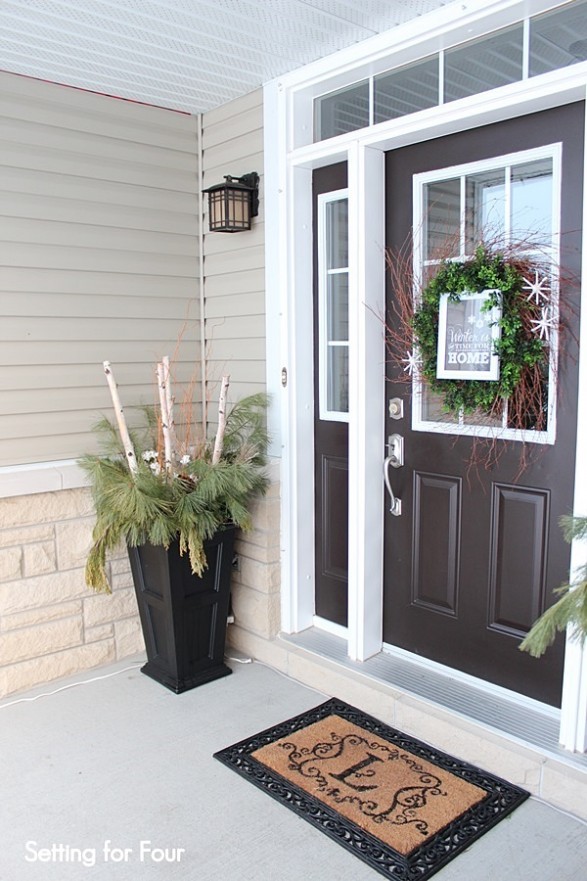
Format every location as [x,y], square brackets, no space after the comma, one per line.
[103,765]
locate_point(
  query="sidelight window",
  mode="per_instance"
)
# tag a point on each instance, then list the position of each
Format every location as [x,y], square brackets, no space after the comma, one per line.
[333,306]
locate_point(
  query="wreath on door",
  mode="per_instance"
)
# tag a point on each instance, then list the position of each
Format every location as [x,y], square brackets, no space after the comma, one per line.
[521,290]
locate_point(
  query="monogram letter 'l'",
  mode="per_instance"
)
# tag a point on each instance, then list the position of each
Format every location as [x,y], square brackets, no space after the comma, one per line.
[354,769]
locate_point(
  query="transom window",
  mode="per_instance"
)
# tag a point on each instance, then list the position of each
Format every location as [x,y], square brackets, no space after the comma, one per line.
[537,45]
[512,201]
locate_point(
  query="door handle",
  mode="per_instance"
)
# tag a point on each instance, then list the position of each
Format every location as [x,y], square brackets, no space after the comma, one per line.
[395,506]
[395,450]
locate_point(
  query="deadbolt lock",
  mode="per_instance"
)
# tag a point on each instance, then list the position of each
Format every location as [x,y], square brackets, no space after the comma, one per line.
[396,408]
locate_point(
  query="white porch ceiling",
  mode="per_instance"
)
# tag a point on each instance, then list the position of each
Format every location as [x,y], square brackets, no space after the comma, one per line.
[190,55]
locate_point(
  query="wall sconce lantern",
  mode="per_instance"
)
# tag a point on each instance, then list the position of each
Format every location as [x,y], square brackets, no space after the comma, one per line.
[231,205]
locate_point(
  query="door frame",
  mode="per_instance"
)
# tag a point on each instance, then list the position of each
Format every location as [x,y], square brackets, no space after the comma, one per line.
[288,174]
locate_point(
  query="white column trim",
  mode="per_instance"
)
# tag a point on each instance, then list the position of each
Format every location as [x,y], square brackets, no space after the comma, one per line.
[300,399]
[573,730]
[289,327]
[366,397]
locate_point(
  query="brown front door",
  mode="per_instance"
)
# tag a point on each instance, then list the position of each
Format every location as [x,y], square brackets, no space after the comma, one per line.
[474,557]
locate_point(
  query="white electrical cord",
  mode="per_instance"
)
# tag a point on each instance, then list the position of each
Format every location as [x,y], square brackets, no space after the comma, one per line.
[274,670]
[24,700]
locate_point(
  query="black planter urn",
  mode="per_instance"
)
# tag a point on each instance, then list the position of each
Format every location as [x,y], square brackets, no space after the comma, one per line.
[183,615]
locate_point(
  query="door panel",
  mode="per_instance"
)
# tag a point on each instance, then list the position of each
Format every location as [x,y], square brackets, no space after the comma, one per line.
[474,557]
[335,493]
[330,402]
[518,540]
[437,520]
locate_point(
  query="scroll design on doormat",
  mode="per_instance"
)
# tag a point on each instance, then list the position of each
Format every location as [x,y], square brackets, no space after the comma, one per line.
[403,807]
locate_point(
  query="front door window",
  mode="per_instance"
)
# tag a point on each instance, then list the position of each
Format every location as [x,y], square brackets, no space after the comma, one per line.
[507,203]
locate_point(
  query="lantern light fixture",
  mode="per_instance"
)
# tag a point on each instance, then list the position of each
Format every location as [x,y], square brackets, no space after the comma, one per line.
[231,205]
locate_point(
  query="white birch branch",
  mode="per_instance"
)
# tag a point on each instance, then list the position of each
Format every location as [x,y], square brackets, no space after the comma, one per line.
[164,416]
[219,441]
[170,402]
[120,419]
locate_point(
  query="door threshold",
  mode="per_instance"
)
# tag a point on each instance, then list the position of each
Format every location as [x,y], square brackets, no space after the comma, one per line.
[529,726]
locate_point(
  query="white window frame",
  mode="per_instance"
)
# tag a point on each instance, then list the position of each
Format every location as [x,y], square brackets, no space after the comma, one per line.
[324,273]
[506,162]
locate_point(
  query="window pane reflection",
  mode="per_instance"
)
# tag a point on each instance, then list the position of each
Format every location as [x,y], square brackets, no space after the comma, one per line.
[559,38]
[337,236]
[484,64]
[338,307]
[531,207]
[433,407]
[485,208]
[338,379]
[344,111]
[443,219]
[406,90]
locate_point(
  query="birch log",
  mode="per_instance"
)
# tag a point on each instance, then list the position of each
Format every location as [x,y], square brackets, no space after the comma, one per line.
[120,419]
[219,441]
[170,402]
[164,416]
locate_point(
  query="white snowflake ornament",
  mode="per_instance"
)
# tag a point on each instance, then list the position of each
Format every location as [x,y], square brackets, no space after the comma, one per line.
[412,362]
[539,288]
[543,325]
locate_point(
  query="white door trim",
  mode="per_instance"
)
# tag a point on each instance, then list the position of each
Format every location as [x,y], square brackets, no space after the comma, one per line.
[288,207]
[573,731]
[366,173]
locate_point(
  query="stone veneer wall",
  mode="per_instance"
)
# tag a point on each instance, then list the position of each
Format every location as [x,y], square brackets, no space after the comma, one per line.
[51,624]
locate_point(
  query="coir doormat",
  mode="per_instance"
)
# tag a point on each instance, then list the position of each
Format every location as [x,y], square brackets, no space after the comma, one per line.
[403,807]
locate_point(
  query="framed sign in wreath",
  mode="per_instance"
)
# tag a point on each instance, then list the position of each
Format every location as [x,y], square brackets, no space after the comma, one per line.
[478,336]
[468,329]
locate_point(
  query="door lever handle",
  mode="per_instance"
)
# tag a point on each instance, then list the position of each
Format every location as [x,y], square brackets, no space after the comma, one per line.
[395,506]
[395,449]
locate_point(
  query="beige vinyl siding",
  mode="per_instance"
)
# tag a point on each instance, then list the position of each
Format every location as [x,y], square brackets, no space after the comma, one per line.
[99,260]
[234,264]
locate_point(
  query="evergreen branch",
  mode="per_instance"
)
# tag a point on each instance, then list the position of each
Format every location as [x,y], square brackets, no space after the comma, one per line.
[570,611]
[574,527]
[150,505]
[246,428]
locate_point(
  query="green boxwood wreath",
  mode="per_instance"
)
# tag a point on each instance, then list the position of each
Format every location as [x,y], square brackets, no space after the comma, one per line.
[523,355]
